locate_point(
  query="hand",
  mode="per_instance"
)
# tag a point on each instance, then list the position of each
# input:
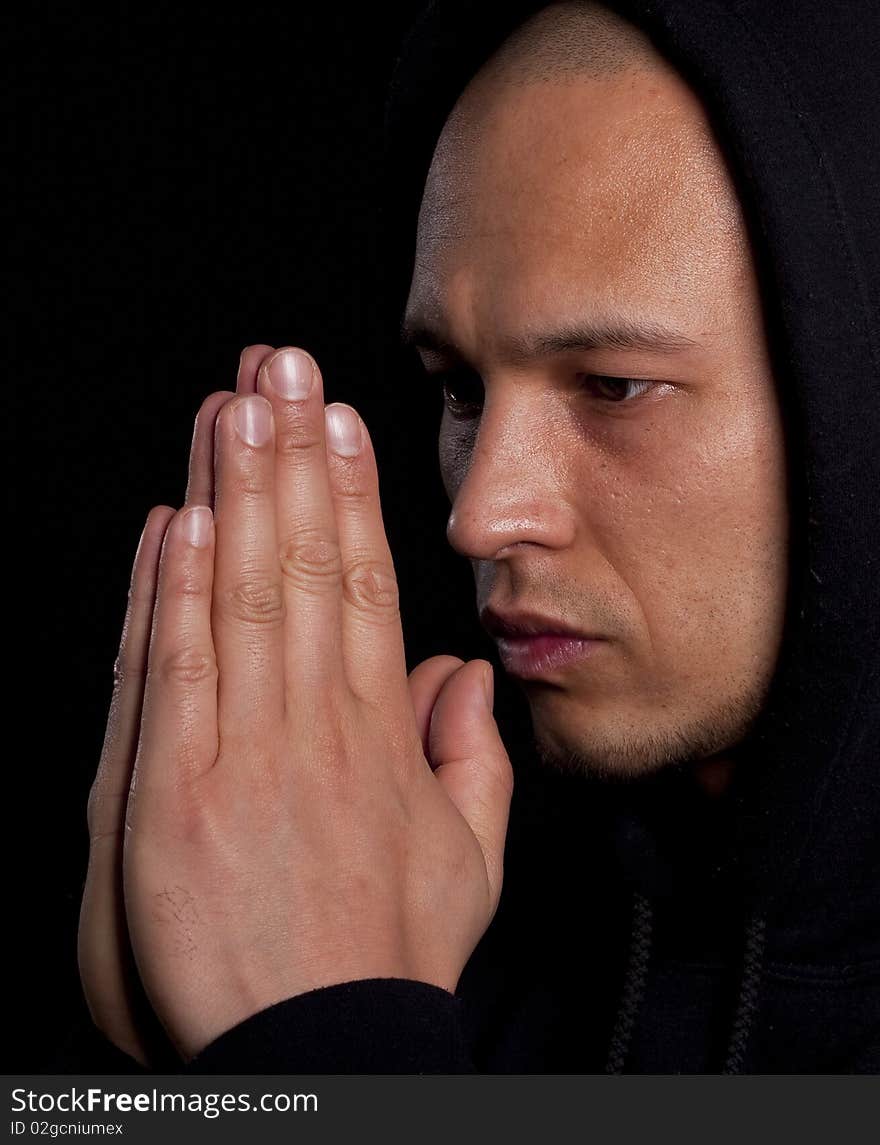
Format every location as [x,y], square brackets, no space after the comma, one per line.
[110,982]
[300,814]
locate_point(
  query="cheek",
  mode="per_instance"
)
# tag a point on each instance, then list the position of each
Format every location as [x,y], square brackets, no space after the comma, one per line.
[698,528]
[694,466]
[730,483]
[454,448]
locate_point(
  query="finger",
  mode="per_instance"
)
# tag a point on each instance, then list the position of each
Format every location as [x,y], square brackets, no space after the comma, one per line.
[372,637]
[248,607]
[308,542]
[425,682]
[106,965]
[200,486]
[248,365]
[106,807]
[179,722]
[471,762]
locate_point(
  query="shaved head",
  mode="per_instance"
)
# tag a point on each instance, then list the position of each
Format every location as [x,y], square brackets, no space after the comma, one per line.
[585,296]
[568,40]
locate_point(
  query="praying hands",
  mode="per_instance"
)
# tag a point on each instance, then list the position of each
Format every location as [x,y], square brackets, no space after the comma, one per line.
[277,806]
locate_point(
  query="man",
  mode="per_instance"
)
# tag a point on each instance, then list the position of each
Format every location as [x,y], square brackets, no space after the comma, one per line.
[653,316]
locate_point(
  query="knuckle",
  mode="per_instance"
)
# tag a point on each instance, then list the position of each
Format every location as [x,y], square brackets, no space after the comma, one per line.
[339,765]
[141,596]
[104,812]
[371,586]
[351,482]
[298,440]
[254,478]
[127,670]
[184,581]
[254,600]
[311,556]
[350,487]
[94,807]
[185,666]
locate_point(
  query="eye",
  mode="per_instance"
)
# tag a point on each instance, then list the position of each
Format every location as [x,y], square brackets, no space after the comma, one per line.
[463,390]
[615,389]
[462,393]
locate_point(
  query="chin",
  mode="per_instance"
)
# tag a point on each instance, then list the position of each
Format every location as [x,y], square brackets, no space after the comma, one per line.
[605,757]
[629,746]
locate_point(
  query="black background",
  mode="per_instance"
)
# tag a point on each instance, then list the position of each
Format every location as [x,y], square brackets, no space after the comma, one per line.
[182,188]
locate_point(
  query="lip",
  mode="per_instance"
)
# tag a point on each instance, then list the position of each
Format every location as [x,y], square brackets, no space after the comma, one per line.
[532,645]
[530,657]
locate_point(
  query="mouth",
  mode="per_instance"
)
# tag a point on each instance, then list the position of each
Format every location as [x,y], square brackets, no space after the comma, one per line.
[531,645]
[531,657]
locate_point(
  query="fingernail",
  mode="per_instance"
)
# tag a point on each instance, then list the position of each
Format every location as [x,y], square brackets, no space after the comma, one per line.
[253,420]
[292,374]
[489,687]
[343,430]
[197,525]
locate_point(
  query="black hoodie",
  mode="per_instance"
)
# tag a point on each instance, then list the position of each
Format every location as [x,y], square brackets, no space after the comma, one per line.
[646,928]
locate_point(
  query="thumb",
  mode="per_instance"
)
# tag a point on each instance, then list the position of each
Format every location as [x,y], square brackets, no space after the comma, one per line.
[471,763]
[425,682]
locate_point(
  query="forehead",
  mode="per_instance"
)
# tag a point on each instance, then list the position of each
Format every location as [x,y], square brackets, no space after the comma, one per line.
[612,184]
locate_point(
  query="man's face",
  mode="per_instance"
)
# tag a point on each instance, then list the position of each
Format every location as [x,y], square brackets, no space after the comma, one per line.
[632,491]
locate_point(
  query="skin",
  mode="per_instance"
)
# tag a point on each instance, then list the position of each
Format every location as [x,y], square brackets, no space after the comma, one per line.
[658,521]
[278,807]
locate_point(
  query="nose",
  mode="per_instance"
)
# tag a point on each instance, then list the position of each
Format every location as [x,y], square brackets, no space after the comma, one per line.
[509,489]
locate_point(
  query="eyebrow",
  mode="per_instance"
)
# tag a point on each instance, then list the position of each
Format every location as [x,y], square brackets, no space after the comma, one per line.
[614,333]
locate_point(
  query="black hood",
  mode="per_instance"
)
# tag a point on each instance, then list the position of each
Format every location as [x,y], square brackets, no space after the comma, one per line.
[792,88]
